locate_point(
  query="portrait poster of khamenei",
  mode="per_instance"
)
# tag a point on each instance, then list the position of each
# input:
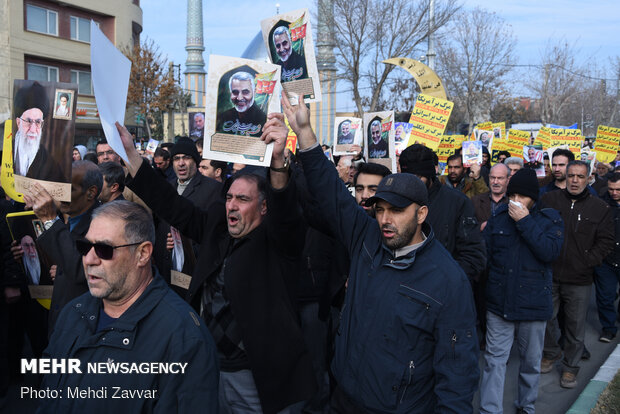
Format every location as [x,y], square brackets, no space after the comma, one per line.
[288,38]
[25,228]
[43,130]
[245,91]
[347,134]
[379,143]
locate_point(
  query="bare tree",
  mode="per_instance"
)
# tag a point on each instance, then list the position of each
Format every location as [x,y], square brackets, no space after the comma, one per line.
[475,57]
[558,83]
[369,31]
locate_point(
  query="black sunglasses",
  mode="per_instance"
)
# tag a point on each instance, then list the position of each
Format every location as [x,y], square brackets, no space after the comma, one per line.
[102,250]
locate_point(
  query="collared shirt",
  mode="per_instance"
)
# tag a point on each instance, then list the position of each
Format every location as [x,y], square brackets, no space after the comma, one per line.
[495,205]
[182,186]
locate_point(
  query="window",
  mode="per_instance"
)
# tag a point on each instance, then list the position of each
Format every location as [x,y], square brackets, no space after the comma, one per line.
[82,78]
[80,29]
[41,20]
[41,73]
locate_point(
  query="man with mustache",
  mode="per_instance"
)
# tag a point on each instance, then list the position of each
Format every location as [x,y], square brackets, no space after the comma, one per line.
[377,147]
[244,118]
[366,181]
[30,158]
[245,275]
[407,337]
[293,64]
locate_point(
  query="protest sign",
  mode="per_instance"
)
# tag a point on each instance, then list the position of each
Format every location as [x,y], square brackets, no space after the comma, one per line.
[499,130]
[151,147]
[110,76]
[533,158]
[401,135]
[6,179]
[25,227]
[472,153]
[42,140]
[486,126]
[607,143]
[498,146]
[196,122]
[485,137]
[588,156]
[543,137]
[516,141]
[379,145]
[291,138]
[288,38]
[429,119]
[347,134]
[570,137]
[447,145]
[244,91]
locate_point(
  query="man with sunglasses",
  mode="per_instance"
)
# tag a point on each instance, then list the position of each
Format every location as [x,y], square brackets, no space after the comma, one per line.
[130,316]
[245,277]
[30,158]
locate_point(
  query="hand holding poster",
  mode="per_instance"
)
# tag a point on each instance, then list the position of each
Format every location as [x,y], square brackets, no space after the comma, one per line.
[607,143]
[245,91]
[347,135]
[472,153]
[429,119]
[288,38]
[380,146]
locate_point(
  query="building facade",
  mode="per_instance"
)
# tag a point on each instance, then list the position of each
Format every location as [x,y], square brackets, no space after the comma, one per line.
[50,41]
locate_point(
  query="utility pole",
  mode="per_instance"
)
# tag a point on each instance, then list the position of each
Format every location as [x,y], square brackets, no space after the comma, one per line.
[430,54]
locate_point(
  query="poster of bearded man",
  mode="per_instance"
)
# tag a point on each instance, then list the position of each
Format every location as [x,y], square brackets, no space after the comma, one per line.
[245,91]
[288,38]
[42,140]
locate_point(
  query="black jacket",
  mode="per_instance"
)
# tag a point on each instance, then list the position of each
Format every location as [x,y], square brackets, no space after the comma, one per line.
[588,235]
[260,281]
[613,258]
[58,242]
[45,167]
[452,217]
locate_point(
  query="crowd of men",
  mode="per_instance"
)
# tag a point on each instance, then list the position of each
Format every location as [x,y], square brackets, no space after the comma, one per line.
[285,294]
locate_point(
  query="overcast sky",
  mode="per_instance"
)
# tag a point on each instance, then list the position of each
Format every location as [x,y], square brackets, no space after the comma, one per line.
[591,26]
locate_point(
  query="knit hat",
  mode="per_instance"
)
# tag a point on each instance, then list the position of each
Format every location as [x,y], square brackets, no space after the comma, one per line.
[400,190]
[418,159]
[185,146]
[28,97]
[524,183]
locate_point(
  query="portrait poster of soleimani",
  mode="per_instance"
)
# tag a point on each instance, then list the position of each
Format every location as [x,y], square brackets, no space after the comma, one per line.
[379,142]
[244,91]
[288,38]
[347,134]
[43,129]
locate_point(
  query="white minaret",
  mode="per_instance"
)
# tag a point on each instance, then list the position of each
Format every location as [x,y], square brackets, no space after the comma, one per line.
[195,64]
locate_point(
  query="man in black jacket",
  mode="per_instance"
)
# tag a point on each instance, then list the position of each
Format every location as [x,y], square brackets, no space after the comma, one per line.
[588,238]
[58,239]
[244,280]
[451,213]
[607,275]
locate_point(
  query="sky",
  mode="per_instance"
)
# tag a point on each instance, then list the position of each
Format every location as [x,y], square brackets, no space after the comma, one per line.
[591,27]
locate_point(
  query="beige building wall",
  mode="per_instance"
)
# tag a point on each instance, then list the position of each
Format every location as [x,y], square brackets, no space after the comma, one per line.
[119,20]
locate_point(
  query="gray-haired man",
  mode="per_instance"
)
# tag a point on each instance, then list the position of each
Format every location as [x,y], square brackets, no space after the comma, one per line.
[244,118]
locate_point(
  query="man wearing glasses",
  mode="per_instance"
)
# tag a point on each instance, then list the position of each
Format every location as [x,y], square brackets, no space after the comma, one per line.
[130,317]
[30,158]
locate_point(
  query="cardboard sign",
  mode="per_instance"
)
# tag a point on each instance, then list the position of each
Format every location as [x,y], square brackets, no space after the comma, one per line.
[570,137]
[516,141]
[607,143]
[543,138]
[429,119]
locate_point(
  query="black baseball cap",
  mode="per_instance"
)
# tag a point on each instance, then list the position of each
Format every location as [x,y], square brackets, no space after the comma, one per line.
[400,190]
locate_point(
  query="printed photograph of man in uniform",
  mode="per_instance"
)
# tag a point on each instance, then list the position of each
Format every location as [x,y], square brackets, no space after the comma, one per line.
[237,111]
[197,122]
[377,144]
[284,54]
[345,135]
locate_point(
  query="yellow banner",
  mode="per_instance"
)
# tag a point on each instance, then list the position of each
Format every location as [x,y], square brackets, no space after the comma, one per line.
[498,146]
[516,141]
[429,119]
[6,179]
[543,138]
[607,143]
[570,137]
[447,145]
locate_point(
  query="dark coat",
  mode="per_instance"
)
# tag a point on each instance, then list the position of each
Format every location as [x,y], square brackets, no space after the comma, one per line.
[158,327]
[202,191]
[248,123]
[588,235]
[294,68]
[260,280]
[58,242]
[483,206]
[613,258]
[451,215]
[407,338]
[520,259]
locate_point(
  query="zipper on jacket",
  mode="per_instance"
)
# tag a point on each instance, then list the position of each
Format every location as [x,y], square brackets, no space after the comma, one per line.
[411,368]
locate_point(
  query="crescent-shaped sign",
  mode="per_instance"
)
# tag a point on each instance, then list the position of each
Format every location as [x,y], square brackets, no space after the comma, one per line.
[427,79]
